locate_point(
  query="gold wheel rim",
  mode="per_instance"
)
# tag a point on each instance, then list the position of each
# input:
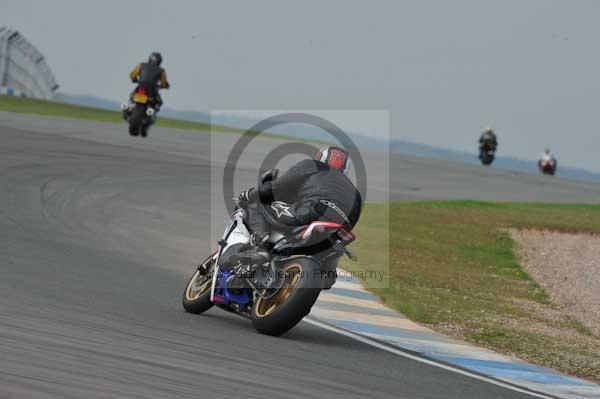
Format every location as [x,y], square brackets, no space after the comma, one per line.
[266,307]
[194,291]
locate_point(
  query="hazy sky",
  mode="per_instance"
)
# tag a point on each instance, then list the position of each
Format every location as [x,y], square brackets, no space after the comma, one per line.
[444,69]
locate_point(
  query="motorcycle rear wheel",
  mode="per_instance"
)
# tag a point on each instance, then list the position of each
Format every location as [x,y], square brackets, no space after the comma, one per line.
[487,160]
[136,119]
[294,300]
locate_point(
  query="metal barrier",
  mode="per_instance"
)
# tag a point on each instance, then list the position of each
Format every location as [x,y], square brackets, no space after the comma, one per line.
[23,69]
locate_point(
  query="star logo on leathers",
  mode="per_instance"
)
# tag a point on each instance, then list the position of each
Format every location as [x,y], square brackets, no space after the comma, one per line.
[281,208]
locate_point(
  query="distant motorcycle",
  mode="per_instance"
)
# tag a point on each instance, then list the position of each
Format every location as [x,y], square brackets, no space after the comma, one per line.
[547,166]
[487,152]
[277,294]
[140,111]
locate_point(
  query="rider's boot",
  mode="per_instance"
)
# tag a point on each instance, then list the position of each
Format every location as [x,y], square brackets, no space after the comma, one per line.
[254,254]
[126,109]
[249,259]
[258,251]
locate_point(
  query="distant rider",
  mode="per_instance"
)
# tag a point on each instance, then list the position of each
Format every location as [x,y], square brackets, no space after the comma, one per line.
[547,156]
[313,189]
[488,139]
[547,159]
[150,75]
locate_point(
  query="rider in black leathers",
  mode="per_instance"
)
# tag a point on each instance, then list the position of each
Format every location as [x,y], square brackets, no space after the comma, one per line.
[149,75]
[309,191]
[488,139]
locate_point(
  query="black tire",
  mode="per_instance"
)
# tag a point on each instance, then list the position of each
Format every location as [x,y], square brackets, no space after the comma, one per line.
[300,298]
[197,303]
[136,120]
[144,131]
[548,171]
[486,159]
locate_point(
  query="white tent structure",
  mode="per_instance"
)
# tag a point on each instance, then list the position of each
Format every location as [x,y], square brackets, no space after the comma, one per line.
[23,69]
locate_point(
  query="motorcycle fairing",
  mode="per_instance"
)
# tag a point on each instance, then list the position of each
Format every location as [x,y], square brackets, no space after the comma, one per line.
[225,296]
[235,233]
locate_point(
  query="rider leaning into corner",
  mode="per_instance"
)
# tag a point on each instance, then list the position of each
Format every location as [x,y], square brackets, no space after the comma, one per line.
[488,137]
[311,190]
[150,74]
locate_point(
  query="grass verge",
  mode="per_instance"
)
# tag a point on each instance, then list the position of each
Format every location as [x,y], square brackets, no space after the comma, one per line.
[51,108]
[452,266]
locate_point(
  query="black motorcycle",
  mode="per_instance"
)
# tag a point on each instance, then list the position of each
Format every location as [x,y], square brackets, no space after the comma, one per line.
[487,153]
[547,166]
[140,111]
[275,294]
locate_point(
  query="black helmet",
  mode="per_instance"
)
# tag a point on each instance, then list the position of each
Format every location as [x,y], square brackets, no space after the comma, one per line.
[155,58]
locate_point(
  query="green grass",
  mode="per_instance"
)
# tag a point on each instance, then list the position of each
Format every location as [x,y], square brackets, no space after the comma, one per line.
[452,265]
[52,108]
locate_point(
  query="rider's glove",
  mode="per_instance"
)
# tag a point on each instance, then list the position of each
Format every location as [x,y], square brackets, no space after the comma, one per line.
[247,196]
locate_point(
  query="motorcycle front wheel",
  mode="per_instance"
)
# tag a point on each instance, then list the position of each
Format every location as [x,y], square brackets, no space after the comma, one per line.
[283,310]
[196,297]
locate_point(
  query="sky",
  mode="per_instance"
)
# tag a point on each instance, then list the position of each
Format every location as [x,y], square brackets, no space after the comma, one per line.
[443,69]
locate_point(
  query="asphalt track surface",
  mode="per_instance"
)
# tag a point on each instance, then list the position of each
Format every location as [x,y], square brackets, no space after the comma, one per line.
[98,233]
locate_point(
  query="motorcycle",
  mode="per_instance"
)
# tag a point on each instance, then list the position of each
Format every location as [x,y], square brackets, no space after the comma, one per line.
[277,294]
[547,166]
[140,111]
[487,154]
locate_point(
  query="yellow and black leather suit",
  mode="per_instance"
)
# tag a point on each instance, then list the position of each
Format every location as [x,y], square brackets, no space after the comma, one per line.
[149,74]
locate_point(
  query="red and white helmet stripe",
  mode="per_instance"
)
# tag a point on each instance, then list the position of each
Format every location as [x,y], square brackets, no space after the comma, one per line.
[336,157]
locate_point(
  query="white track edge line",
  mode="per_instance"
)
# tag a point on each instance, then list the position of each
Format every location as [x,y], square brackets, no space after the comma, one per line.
[430,362]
